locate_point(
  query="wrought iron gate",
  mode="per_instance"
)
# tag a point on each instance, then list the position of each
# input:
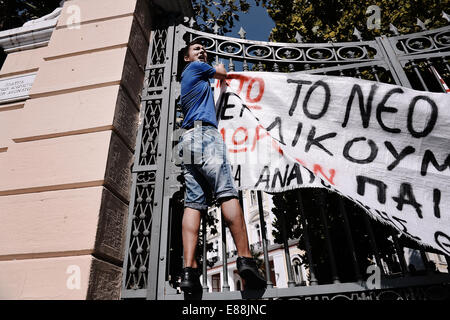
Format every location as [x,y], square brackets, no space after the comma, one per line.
[156,195]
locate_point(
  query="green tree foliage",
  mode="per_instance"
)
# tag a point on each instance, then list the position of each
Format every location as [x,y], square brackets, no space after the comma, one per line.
[222,12]
[335,20]
[326,20]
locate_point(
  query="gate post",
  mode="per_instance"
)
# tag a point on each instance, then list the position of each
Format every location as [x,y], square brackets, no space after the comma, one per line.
[158,258]
[143,257]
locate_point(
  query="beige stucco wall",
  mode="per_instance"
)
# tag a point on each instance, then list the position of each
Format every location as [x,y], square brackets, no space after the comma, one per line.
[66,153]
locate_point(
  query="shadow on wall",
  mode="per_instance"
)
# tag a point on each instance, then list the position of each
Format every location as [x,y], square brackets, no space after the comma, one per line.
[2,57]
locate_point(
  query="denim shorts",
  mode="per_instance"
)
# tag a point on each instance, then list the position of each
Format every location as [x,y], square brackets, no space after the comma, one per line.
[206,169]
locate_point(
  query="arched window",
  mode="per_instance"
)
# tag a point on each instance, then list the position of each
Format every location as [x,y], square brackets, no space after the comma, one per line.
[238,285]
[298,274]
[258,232]
[253,199]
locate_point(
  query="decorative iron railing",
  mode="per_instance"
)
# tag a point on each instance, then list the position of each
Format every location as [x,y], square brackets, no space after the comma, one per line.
[153,250]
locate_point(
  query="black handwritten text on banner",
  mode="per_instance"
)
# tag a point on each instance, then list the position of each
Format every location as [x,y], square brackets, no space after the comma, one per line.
[385,147]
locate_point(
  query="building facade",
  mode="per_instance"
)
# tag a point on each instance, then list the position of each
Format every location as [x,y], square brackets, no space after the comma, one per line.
[69,110]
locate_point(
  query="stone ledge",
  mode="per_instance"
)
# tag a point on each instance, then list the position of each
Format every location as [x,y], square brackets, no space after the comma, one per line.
[23,62]
[46,279]
[98,36]
[59,163]
[63,223]
[96,11]
[65,278]
[79,72]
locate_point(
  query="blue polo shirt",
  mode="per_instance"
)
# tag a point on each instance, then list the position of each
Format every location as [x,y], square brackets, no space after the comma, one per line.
[197,99]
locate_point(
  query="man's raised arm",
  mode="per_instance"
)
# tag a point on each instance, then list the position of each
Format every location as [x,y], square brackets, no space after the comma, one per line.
[221,72]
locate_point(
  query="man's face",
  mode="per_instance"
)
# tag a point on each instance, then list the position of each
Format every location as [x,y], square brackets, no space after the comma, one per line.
[196,53]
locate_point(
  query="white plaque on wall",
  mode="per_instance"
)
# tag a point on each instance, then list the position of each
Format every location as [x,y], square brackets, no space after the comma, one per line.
[16,88]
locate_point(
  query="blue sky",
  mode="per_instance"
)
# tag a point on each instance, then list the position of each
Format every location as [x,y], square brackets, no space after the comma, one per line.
[256,23]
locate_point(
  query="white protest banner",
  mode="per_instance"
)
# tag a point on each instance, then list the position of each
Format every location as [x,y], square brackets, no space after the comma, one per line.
[383,146]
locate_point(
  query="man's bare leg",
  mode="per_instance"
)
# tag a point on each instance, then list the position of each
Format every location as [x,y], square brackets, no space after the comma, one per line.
[190,228]
[234,217]
[247,269]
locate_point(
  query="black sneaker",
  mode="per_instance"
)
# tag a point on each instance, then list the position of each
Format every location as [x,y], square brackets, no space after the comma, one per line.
[190,281]
[249,272]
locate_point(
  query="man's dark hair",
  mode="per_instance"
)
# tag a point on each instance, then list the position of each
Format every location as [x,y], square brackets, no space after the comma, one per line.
[193,42]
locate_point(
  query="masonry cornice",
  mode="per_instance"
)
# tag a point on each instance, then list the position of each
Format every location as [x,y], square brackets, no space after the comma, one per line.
[33,34]
[36,33]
